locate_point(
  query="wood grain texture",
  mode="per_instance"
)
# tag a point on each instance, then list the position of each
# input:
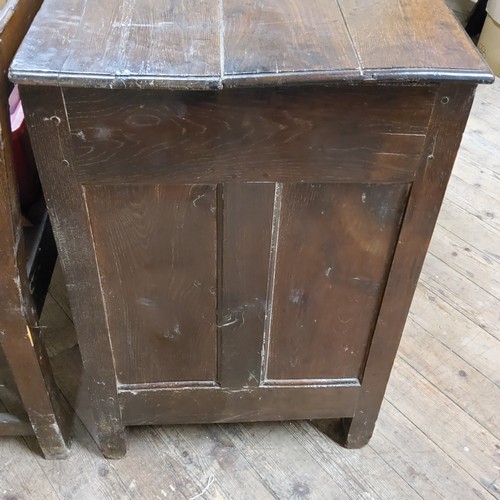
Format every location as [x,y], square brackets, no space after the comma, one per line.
[478,305]
[28,390]
[125,158]
[482,354]
[201,44]
[266,36]
[333,254]
[49,132]
[409,39]
[132,154]
[271,135]
[425,444]
[246,243]
[47,45]
[277,465]
[157,246]
[148,42]
[157,406]
[129,43]
[447,124]
[404,446]
[465,440]
[422,350]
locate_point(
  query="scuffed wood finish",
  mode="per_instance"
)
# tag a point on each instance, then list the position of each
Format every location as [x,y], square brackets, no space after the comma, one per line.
[54,26]
[269,36]
[27,387]
[445,133]
[156,244]
[145,43]
[202,44]
[253,135]
[432,411]
[246,233]
[49,132]
[408,39]
[333,253]
[169,40]
[243,253]
[224,299]
[208,405]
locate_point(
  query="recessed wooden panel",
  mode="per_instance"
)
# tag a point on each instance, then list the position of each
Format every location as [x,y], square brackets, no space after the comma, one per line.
[156,253]
[334,245]
[322,134]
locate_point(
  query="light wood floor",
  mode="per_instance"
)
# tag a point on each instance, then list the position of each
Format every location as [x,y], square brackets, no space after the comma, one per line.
[438,431]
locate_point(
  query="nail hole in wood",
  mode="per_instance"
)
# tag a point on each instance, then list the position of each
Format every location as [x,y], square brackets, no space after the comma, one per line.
[445,100]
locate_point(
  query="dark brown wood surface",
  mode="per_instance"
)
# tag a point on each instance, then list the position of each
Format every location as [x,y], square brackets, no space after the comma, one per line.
[276,135]
[161,329]
[49,133]
[246,230]
[227,252]
[27,388]
[201,44]
[453,103]
[443,393]
[243,253]
[276,37]
[333,253]
[409,39]
[204,405]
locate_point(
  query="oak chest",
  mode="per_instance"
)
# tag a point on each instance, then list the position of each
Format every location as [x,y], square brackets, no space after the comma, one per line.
[242,195]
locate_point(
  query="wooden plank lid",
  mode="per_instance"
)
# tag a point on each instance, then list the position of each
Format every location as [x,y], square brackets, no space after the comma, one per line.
[200,44]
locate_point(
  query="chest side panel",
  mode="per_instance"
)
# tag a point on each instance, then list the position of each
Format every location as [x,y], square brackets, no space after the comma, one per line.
[243,239]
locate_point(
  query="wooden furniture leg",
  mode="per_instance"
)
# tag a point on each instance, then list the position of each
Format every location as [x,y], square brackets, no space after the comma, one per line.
[19,338]
[50,134]
[448,120]
[25,373]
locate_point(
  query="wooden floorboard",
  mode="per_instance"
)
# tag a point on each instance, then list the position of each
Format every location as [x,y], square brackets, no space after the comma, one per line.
[438,431]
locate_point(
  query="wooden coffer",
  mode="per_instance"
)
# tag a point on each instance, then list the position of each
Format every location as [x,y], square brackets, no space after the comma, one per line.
[243,240]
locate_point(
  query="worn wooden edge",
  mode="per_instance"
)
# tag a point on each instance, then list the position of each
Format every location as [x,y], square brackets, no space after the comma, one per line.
[446,126]
[168,406]
[19,339]
[241,80]
[429,75]
[51,148]
[114,81]
[236,80]
[15,19]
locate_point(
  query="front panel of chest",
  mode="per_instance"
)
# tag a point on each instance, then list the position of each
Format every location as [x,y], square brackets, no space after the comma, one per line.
[243,238]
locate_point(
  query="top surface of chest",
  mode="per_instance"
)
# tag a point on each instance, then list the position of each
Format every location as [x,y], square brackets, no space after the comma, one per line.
[199,44]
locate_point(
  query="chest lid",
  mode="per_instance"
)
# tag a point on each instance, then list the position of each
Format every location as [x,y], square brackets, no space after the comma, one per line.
[203,44]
